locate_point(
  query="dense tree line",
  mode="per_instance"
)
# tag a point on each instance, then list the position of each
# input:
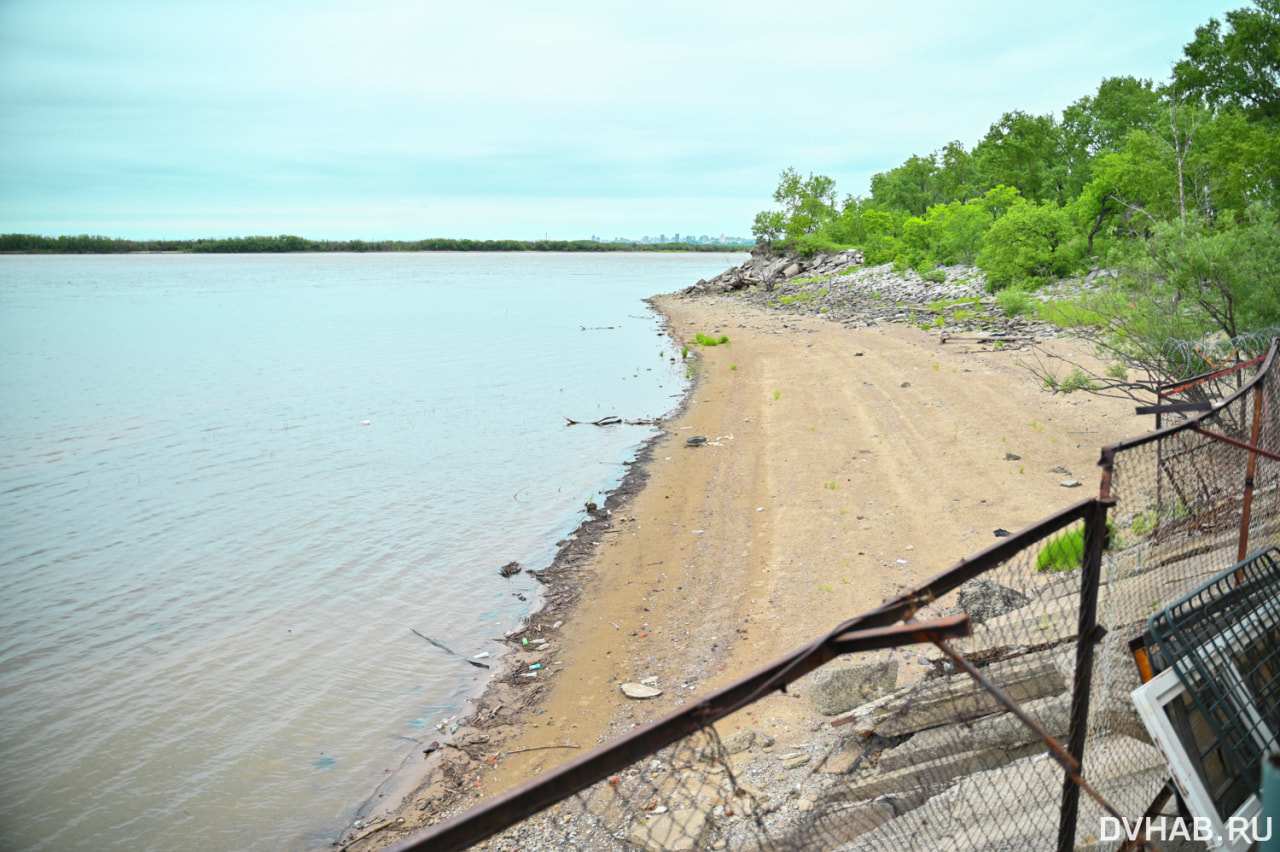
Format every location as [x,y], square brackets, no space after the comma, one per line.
[85,244]
[1176,184]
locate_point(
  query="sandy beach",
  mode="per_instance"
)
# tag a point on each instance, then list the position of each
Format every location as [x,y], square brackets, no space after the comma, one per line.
[841,465]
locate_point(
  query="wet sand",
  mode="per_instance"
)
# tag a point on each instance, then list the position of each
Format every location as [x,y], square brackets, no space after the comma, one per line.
[841,466]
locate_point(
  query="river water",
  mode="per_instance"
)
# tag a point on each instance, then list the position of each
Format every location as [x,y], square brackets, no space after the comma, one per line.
[230,486]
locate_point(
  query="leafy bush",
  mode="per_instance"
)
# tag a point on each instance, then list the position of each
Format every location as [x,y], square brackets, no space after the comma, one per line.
[1028,242]
[1015,302]
[1077,380]
[706,340]
[1071,315]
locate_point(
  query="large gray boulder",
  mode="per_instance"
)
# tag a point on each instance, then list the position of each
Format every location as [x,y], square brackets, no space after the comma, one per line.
[984,599]
[837,689]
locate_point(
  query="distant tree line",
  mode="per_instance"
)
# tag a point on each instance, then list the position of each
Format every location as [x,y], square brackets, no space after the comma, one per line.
[85,244]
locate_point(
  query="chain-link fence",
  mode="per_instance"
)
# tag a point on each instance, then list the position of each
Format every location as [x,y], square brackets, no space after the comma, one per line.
[1019,731]
[1191,500]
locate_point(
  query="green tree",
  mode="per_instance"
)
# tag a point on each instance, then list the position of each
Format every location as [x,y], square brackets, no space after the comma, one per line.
[957,176]
[911,187]
[958,231]
[1238,164]
[848,228]
[883,241]
[1022,151]
[1158,174]
[1229,275]
[769,226]
[999,200]
[1028,242]
[1103,121]
[807,203]
[1236,66]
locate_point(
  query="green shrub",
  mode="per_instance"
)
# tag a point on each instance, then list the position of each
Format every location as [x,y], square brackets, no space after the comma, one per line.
[1030,241]
[811,244]
[1070,315]
[1145,523]
[706,340]
[1078,380]
[1014,302]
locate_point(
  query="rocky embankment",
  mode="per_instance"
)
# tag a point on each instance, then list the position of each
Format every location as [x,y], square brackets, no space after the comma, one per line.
[951,300]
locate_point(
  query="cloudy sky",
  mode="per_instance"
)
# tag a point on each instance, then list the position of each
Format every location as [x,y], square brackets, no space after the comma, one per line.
[516,120]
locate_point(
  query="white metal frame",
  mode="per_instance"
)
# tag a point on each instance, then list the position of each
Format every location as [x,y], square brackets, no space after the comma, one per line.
[1152,697]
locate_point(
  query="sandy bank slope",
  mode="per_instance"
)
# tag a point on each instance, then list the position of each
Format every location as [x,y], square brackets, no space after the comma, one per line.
[842,464]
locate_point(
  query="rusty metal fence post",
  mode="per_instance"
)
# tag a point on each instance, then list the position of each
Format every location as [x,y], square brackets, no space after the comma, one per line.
[1251,470]
[1089,633]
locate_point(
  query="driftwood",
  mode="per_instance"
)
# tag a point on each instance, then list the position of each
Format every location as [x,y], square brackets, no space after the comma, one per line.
[985,338]
[611,420]
[370,833]
[537,748]
[447,651]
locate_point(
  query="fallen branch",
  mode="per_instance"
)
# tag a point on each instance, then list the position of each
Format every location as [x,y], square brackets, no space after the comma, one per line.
[611,420]
[986,338]
[536,748]
[447,651]
[370,833]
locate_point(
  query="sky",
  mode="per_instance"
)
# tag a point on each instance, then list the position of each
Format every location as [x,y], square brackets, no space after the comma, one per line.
[516,120]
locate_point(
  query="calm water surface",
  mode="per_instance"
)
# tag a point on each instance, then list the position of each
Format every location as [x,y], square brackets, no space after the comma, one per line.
[210,567]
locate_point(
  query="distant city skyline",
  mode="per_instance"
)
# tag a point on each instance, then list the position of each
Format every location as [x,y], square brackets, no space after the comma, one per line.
[143,119]
[703,239]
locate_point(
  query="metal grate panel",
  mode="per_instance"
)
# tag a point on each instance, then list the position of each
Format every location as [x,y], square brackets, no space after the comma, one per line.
[1223,641]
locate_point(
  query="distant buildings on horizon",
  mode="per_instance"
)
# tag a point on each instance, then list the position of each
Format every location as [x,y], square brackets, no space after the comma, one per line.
[722,240]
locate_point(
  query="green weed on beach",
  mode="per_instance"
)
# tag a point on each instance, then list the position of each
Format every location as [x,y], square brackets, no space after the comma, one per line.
[1066,552]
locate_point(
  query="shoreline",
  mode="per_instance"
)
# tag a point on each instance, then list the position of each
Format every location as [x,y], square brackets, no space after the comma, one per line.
[559,589]
[783,521]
